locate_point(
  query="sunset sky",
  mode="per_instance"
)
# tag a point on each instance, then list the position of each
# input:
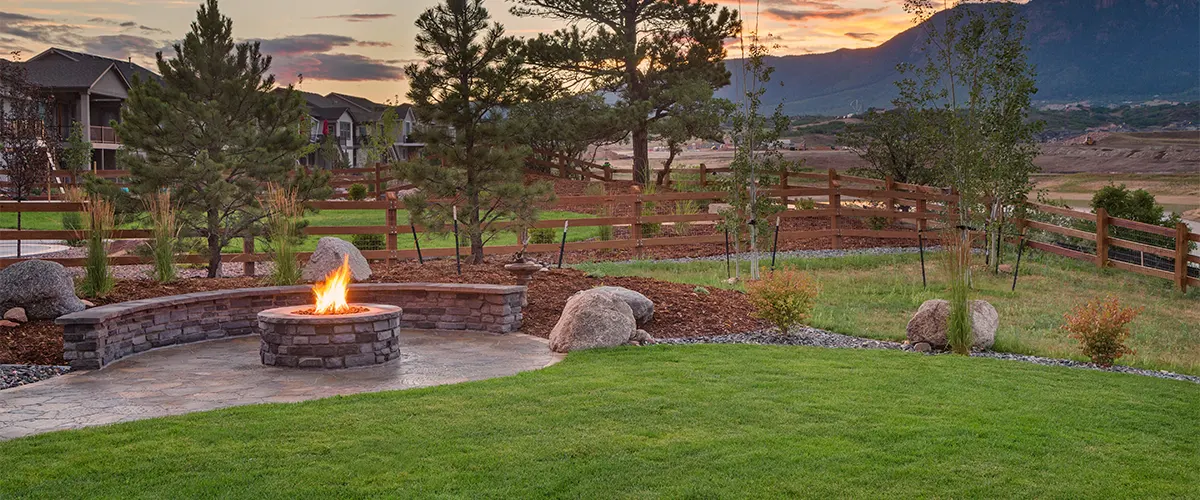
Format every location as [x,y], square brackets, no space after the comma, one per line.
[360,46]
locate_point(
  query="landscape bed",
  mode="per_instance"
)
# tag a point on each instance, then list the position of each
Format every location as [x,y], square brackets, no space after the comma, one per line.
[673,421]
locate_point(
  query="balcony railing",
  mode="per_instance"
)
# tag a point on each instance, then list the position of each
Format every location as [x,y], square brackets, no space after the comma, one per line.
[103,135]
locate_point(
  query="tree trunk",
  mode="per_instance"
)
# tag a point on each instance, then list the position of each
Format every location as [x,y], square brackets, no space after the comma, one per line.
[214,245]
[641,153]
[666,170]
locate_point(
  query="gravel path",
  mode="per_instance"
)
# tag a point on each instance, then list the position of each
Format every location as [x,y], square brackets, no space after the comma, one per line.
[820,338]
[805,254]
[14,375]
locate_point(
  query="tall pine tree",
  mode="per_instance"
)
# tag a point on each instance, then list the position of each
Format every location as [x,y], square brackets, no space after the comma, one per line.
[472,74]
[638,49]
[214,132]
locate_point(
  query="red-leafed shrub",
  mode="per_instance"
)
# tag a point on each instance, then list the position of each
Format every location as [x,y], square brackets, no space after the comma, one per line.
[1101,327]
[784,297]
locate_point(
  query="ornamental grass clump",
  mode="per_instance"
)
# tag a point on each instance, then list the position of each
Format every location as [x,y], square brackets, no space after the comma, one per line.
[957,261]
[1101,326]
[283,221]
[97,278]
[164,237]
[784,297]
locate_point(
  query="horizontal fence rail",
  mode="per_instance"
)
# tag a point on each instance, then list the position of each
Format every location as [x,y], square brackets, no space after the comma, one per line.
[1093,232]
[839,197]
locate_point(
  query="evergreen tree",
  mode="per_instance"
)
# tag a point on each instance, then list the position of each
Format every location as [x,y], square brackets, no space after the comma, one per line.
[695,113]
[215,132]
[638,49]
[471,74]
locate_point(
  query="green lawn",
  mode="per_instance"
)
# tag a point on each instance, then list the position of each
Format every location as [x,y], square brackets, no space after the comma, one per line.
[664,421]
[53,220]
[874,296]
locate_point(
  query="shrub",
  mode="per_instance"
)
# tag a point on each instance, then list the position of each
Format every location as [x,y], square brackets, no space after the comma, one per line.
[699,290]
[783,297]
[878,223]
[603,233]
[97,278]
[542,235]
[805,204]
[283,221]
[685,207]
[357,192]
[368,241]
[164,235]
[1101,327]
[650,229]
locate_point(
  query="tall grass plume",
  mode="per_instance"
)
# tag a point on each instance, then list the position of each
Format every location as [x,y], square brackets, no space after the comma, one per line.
[957,262]
[283,221]
[101,218]
[164,237]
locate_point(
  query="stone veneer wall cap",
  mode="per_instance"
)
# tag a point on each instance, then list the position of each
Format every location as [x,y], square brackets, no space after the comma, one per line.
[97,315]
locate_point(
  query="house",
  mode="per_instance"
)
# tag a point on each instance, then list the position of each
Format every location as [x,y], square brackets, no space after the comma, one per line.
[87,89]
[364,115]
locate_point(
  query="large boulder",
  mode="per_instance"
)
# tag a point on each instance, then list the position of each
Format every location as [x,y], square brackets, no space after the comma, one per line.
[929,324]
[329,255]
[595,318]
[643,308]
[42,288]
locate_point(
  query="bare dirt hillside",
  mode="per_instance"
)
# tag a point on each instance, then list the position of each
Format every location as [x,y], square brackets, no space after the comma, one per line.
[1140,153]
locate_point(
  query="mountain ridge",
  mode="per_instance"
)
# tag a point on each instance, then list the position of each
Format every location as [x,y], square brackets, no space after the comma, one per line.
[1102,51]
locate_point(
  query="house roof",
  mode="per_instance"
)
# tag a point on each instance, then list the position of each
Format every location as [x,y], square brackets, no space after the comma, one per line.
[361,109]
[77,70]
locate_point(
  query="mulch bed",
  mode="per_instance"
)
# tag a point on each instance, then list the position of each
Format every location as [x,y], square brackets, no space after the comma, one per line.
[679,310]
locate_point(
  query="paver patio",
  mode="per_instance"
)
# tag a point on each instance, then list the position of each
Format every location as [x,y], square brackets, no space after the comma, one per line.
[223,373]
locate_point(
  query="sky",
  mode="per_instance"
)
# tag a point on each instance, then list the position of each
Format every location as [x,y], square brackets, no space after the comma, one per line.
[360,47]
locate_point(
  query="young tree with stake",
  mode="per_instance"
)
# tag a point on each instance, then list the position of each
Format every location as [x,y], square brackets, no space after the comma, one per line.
[472,73]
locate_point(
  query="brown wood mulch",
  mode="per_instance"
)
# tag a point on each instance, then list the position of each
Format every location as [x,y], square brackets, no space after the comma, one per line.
[679,310]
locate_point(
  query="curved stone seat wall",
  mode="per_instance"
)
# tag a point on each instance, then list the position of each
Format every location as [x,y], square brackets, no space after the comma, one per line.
[98,336]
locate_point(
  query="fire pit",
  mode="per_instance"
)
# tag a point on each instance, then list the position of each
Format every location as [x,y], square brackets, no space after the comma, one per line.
[332,333]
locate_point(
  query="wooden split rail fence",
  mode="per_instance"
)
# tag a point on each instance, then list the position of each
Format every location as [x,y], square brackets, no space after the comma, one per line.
[1104,242]
[833,200]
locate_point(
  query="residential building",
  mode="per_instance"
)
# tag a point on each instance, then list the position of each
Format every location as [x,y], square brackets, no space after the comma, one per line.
[363,114]
[87,89]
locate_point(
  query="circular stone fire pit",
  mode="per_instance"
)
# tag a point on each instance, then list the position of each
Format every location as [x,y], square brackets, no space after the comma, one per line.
[292,338]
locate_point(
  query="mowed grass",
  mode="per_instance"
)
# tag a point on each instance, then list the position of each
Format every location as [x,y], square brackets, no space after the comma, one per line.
[664,421]
[875,296]
[325,218]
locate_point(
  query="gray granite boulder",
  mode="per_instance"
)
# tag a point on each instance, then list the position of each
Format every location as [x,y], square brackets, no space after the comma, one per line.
[595,318]
[329,255]
[643,308]
[928,325]
[42,288]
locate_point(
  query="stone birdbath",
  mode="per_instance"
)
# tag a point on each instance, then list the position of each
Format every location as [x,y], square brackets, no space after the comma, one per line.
[523,270]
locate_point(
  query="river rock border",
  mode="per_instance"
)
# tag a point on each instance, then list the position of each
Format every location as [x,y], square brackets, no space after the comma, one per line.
[98,336]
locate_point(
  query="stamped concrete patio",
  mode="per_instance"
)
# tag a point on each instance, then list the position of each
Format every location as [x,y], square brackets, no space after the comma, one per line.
[223,373]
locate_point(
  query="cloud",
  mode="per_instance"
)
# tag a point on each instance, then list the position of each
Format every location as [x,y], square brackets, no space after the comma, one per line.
[866,37]
[147,29]
[304,44]
[804,15]
[122,46]
[38,29]
[336,67]
[359,18]
[369,43]
[128,24]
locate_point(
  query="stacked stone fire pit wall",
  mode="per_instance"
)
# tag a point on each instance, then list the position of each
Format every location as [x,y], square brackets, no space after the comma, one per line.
[96,337]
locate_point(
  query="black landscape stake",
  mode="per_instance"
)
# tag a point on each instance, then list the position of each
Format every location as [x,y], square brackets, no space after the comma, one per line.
[457,258]
[775,244]
[562,247]
[921,247]
[728,273]
[1017,268]
[417,242]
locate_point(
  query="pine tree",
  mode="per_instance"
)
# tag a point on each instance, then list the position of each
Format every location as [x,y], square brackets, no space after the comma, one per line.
[471,74]
[214,132]
[637,49]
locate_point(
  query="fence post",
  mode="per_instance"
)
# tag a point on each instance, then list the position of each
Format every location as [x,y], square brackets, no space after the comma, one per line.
[835,206]
[1101,237]
[378,184]
[635,231]
[921,215]
[1181,255]
[890,185]
[390,219]
[703,175]
[783,184]
[608,171]
[248,249]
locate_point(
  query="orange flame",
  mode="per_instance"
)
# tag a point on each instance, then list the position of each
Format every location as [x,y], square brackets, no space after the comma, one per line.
[331,293]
